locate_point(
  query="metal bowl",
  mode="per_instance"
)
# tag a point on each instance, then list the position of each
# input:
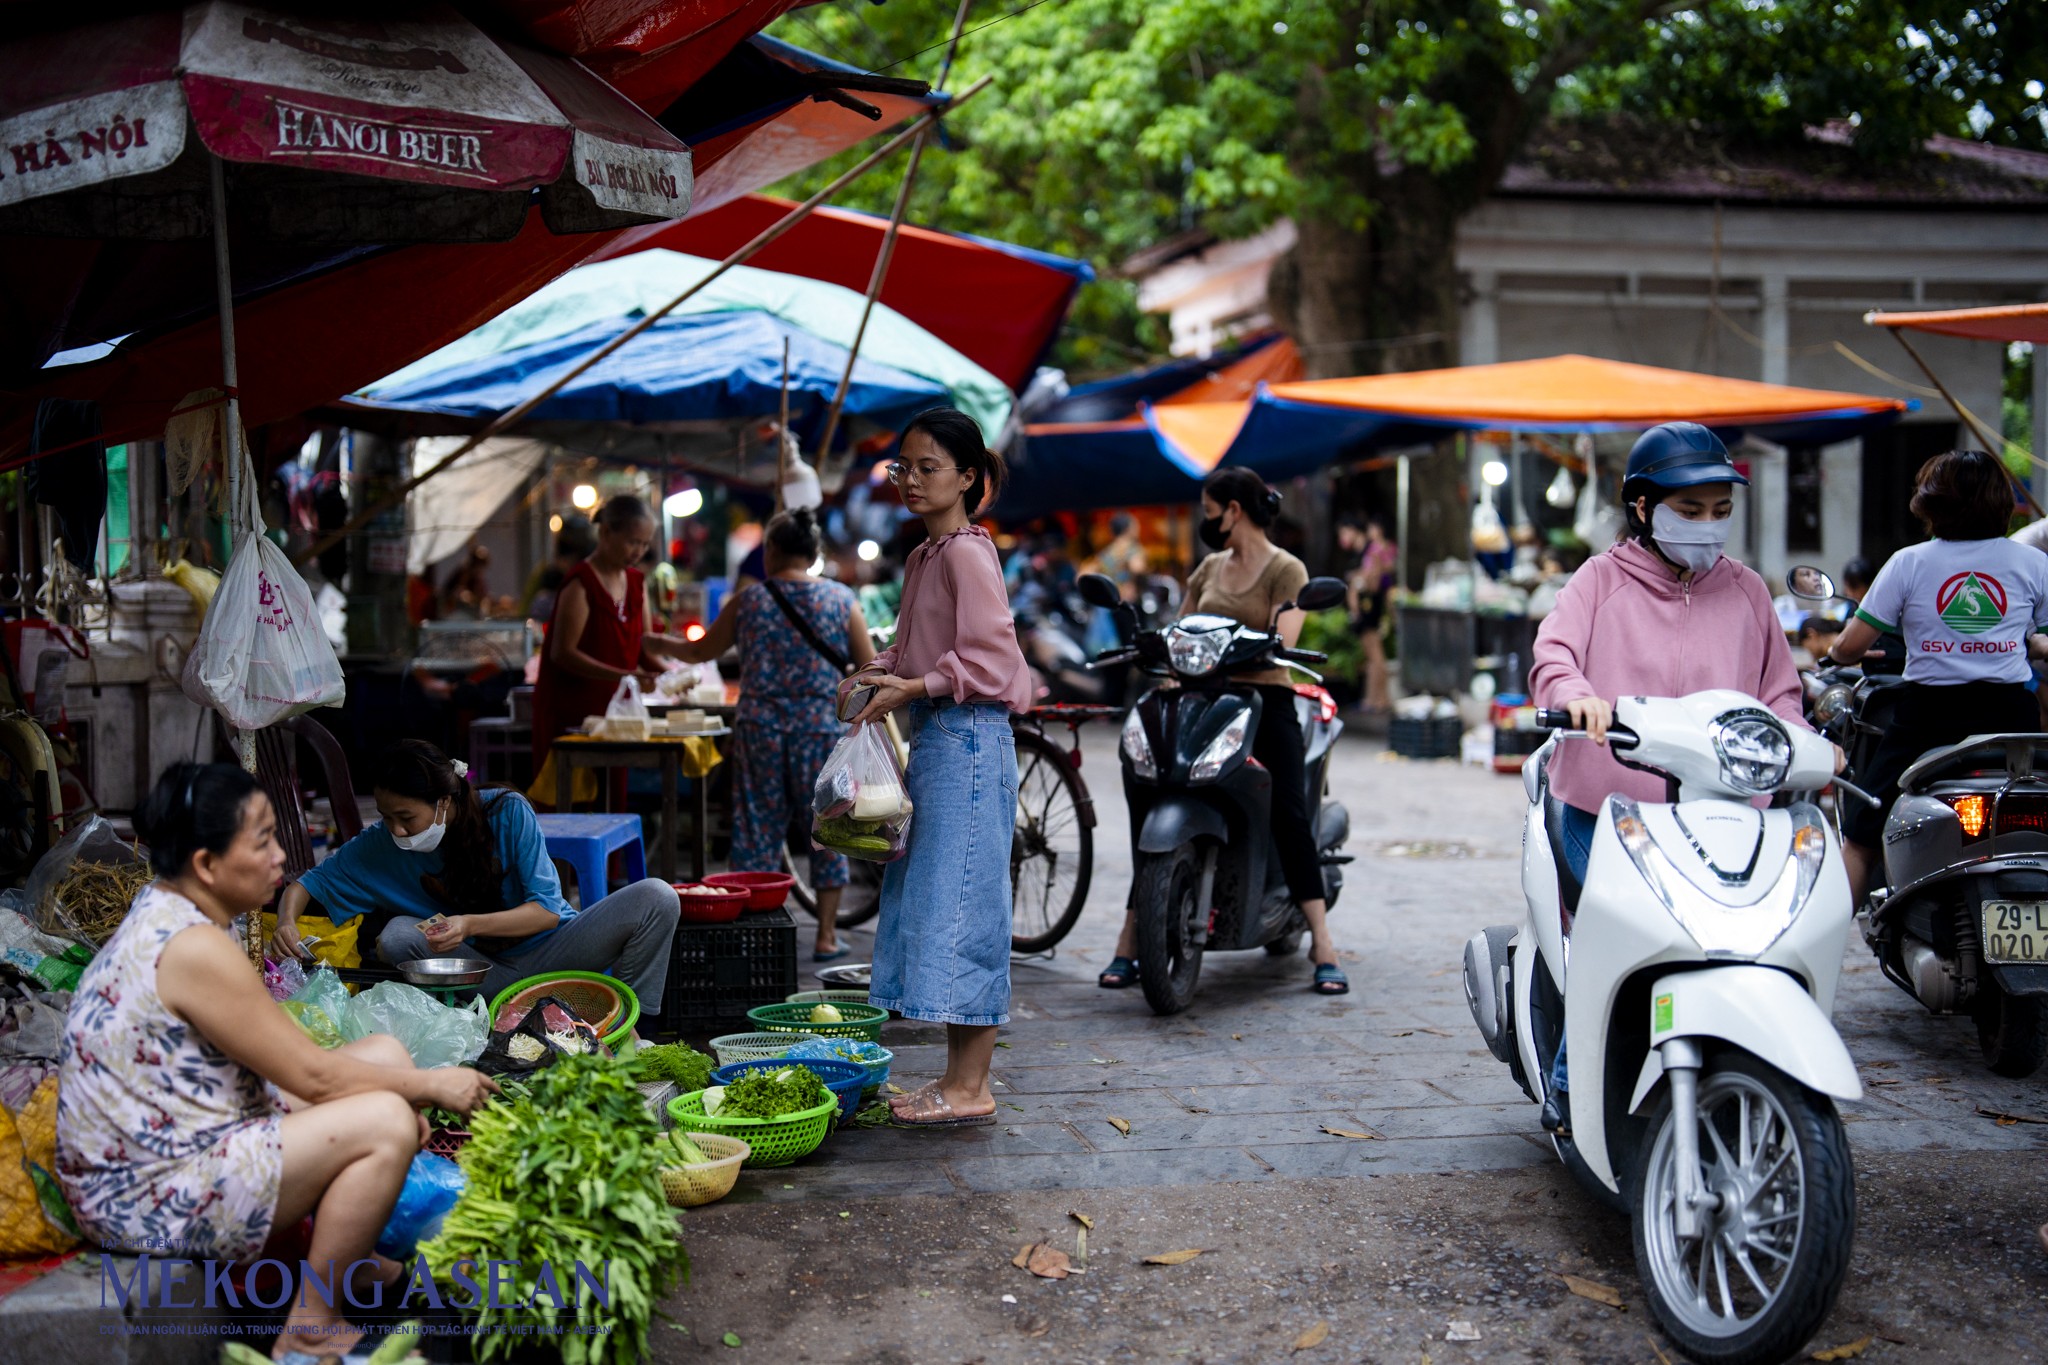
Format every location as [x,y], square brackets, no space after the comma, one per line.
[847,975]
[445,971]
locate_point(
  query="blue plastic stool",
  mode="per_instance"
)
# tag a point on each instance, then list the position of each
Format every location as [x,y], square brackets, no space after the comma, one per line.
[586,843]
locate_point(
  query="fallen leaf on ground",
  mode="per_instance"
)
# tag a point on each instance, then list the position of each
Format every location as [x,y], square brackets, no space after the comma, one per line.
[1081,1251]
[1313,1337]
[1083,1219]
[2006,1120]
[731,1338]
[1883,1081]
[1876,1066]
[1193,1110]
[1175,1257]
[1022,1260]
[1002,1044]
[1121,1125]
[1592,1289]
[1846,1351]
[896,1089]
[1437,1031]
[1348,1133]
[1935,1080]
[1039,1330]
[1405,1033]
[1048,1262]
[1237,1037]
[1462,1331]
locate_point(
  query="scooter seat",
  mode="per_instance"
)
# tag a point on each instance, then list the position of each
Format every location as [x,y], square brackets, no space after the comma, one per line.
[1568,885]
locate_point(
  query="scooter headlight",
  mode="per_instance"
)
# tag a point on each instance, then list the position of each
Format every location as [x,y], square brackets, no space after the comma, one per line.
[1754,750]
[1728,931]
[1138,749]
[1195,652]
[1222,749]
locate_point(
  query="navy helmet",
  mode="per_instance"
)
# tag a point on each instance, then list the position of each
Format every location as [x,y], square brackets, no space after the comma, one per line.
[1677,455]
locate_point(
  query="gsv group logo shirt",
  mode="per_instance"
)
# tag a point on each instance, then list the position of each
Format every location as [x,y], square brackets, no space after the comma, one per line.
[1965,608]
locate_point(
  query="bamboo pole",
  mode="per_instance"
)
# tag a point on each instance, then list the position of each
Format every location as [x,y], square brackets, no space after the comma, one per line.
[782,431]
[1989,446]
[767,235]
[888,250]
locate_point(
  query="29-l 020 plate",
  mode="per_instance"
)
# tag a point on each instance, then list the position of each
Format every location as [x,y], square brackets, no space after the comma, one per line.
[2016,931]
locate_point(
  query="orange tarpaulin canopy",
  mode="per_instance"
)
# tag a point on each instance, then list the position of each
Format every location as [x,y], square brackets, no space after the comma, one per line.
[2007,322]
[1564,393]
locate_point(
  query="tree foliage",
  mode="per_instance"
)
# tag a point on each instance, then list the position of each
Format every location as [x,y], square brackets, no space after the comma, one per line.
[1375,124]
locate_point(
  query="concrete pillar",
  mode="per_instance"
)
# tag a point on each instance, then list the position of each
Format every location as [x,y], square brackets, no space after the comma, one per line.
[1841,504]
[1776,331]
[1480,342]
[2040,425]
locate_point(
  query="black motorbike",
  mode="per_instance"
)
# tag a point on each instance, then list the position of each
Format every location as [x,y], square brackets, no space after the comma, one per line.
[1959,917]
[1204,876]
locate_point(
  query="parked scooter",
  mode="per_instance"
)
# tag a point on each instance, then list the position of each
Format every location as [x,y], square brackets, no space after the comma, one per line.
[1205,878]
[1694,973]
[1961,920]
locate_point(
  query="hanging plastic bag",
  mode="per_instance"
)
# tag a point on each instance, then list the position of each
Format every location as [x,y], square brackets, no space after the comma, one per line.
[1489,535]
[95,841]
[800,486]
[262,655]
[432,1185]
[435,1034]
[859,805]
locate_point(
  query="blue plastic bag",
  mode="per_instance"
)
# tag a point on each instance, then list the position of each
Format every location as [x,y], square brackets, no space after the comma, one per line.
[432,1185]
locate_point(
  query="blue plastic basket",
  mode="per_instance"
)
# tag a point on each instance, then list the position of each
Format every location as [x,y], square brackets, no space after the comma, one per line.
[844,1079]
[873,1056]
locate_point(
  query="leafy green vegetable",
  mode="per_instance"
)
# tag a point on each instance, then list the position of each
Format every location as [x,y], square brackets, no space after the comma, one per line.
[769,1095]
[567,1172]
[689,1151]
[678,1062]
[397,1345]
[731,1338]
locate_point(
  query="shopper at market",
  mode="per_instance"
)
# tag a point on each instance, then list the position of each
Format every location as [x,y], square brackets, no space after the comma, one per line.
[942,946]
[1371,584]
[798,636]
[478,861]
[192,1112]
[1248,579]
[598,634]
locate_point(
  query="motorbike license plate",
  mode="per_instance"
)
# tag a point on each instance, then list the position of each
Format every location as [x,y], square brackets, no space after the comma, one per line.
[2016,931]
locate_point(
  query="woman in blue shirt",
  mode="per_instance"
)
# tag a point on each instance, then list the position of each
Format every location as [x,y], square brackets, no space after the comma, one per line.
[478,860]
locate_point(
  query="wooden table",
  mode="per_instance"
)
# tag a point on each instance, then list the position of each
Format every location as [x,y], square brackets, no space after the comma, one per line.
[664,755]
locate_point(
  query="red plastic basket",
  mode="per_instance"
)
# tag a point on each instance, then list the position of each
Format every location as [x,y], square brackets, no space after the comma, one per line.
[727,905]
[446,1142]
[765,890]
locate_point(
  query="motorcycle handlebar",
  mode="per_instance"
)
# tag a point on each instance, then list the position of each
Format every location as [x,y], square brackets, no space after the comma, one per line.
[1112,657]
[1553,718]
[1302,656]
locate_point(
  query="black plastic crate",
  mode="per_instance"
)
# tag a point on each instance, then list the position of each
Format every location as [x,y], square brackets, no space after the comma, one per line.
[717,972]
[1431,738]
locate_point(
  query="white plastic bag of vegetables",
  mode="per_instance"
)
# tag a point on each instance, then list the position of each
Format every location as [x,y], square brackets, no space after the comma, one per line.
[262,655]
[860,806]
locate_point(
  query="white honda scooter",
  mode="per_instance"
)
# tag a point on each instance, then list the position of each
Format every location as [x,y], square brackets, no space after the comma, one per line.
[1693,975]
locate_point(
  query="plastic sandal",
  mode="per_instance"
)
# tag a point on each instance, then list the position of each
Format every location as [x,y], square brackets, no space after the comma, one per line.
[939,1114]
[1330,980]
[1121,972]
[832,956]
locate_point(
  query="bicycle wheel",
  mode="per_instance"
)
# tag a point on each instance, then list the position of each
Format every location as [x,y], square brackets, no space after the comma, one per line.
[860,902]
[1052,853]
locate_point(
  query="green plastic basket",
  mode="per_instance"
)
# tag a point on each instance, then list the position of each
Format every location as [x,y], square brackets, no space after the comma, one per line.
[859,1021]
[756,1047]
[841,997]
[775,1142]
[567,991]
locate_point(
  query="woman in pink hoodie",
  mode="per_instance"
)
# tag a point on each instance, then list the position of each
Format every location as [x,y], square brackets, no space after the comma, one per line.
[1662,614]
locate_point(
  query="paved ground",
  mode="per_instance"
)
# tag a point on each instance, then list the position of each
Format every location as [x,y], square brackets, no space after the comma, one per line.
[895,1246]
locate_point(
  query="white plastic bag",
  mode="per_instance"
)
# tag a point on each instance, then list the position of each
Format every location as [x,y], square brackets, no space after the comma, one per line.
[625,717]
[435,1034]
[860,806]
[262,655]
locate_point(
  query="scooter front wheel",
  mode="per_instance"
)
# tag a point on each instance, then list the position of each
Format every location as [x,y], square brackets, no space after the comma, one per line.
[1166,898]
[1763,1270]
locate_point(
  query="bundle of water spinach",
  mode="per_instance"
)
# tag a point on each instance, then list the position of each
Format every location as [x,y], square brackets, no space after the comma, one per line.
[564,1176]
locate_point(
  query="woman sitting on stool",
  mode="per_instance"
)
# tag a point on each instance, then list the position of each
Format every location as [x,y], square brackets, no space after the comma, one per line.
[479,860]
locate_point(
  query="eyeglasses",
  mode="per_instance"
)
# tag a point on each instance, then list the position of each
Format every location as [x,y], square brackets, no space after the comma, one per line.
[901,473]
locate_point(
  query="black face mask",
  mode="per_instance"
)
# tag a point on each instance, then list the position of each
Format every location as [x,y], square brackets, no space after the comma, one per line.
[1212,533]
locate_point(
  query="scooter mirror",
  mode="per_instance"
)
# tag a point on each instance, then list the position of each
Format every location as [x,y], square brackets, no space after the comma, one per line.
[1098,591]
[1810,583]
[1320,594]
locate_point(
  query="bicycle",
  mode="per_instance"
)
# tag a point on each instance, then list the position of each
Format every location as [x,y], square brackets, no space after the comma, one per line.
[1052,852]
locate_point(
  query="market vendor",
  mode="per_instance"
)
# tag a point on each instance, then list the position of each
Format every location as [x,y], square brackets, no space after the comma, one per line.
[192,1112]
[598,633]
[479,861]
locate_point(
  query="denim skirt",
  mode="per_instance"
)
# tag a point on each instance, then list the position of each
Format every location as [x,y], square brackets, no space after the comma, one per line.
[942,945]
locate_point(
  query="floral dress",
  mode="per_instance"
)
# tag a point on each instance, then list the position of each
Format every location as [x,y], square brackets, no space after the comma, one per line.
[163,1141]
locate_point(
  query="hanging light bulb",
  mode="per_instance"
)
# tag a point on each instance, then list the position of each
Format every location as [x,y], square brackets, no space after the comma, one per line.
[1560,493]
[869,551]
[1494,472]
[584,495]
[687,503]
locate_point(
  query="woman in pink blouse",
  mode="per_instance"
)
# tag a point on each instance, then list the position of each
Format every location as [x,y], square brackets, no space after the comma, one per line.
[942,946]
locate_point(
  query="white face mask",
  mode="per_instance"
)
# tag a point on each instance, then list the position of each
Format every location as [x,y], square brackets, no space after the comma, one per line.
[428,839]
[1694,545]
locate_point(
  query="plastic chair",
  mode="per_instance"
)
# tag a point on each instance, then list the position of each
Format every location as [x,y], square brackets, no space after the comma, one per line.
[277,772]
[586,843]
